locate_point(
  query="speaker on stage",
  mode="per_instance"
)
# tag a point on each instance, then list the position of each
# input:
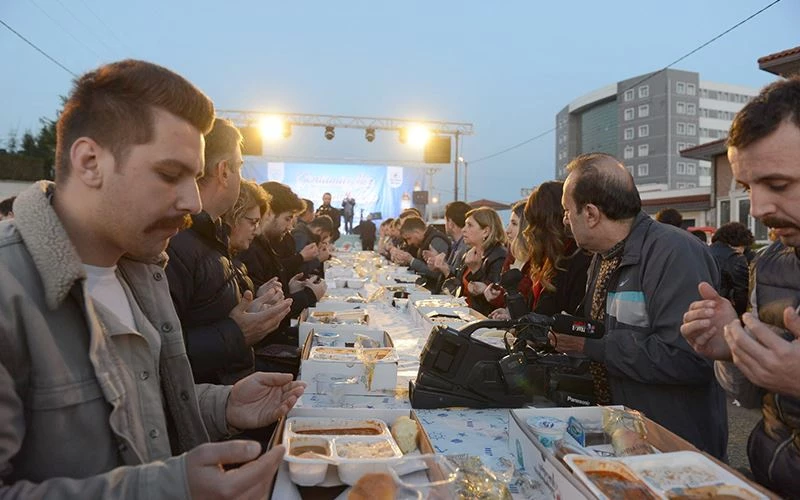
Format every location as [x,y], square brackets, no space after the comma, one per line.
[420,198]
[251,143]
[437,150]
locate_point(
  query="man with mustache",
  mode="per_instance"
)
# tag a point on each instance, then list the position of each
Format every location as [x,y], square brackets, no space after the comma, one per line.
[758,358]
[220,323]
[98,399]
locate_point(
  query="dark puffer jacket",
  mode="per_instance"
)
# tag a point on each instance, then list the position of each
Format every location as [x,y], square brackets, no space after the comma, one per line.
[204,289]
[734,275]
[774,445]
[489,272]
[263,263]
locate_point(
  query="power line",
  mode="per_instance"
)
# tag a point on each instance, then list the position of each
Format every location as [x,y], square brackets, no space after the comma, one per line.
[651,75]
[87,28]
[113,33]
[38,49]
[65,29]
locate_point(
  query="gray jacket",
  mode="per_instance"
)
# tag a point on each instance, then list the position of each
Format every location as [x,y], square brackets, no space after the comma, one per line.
[651,367]
[75,409]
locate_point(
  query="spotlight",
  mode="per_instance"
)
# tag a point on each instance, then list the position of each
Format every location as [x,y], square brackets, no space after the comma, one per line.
[272,127]
[403,135]
[369,135]
[329,133]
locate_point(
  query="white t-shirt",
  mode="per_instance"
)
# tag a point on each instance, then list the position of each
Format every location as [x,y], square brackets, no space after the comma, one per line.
[104,287]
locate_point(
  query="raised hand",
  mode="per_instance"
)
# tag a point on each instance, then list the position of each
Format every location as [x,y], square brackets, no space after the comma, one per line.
[704,323]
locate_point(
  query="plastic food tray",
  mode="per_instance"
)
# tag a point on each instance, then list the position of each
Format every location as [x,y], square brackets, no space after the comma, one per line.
[668,475]
[312,471]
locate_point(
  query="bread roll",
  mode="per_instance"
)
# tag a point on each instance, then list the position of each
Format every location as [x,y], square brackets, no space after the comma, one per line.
[373,487]
[405,432]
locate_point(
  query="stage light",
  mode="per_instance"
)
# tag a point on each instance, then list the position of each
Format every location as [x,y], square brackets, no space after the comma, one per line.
[273,127]
[329,133]
[417,186]
[435,200]
[403,135]
[369,135]
[418,136]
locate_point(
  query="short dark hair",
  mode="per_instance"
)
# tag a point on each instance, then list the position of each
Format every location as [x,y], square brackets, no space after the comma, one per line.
[283,198]
[777,102]
[615,195]
[456,211]
[669,216]
[323,222]
[412,224]
[7,206]
[114,106]
[734,234]
[309,206]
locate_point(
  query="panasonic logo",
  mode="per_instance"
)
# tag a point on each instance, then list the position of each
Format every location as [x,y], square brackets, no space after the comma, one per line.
[570,399]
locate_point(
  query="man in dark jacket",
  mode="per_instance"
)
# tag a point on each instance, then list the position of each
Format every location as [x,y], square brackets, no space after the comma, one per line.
[264,263]
[727,248]
[367,232]
[643,277]
[759,357]
[334,214]
[218,325]
[313,233]
[426,240]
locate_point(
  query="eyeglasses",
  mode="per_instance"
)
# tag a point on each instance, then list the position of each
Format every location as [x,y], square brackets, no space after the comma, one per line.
[255,221]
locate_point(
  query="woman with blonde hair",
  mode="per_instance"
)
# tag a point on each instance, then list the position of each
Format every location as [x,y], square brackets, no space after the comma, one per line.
[483,233]
[244,219]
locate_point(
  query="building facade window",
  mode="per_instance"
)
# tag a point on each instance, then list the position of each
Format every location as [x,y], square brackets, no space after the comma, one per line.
[643,169]
[691,129]
[680,108]
[691,89]
[680,88]
[629,133]
[630,168]
[680,128]
[628,153]
[681,146]
[628,114]
[644,91]
[680,168]
[691,109]
[628,96]
[644,130]
[644,149]
[644,110]
[691,169]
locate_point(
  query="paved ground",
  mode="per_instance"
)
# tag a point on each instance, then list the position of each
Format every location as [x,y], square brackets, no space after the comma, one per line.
[740,422]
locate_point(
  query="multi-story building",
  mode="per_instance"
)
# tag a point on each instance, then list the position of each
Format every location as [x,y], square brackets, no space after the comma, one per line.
[646,121]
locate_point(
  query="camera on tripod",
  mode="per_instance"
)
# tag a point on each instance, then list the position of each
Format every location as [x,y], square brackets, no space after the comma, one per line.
[458,370]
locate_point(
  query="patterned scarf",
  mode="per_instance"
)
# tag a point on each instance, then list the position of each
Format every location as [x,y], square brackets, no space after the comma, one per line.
[608,264]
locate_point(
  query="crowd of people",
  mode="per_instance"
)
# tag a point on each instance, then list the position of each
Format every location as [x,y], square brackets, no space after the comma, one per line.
[146,295]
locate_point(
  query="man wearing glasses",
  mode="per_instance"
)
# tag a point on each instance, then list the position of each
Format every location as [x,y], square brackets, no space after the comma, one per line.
[220,323]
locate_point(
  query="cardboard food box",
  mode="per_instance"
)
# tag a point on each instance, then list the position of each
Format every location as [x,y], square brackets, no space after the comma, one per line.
[539,461]
[285,489]
[349,376]
[357,319]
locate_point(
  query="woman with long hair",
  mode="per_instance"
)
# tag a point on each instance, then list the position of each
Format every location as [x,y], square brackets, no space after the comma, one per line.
[483,233]
[558,267]
[516,258]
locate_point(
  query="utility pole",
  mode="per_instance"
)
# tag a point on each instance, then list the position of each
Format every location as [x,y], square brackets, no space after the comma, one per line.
[455,170]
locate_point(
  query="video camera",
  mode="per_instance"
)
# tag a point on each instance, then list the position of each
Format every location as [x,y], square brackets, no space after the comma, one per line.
[458,370]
